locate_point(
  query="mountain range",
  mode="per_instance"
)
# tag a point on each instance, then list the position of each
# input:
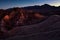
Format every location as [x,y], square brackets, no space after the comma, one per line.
[30,23]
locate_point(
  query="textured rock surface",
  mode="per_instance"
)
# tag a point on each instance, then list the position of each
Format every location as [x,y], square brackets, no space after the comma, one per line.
[46,30]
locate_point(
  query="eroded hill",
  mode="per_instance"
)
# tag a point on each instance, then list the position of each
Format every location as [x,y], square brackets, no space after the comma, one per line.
[33,19]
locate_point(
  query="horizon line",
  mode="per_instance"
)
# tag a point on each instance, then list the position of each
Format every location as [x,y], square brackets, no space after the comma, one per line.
[28,6]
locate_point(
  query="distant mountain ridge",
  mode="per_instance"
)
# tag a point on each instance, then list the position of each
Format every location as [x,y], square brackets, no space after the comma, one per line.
[42,9]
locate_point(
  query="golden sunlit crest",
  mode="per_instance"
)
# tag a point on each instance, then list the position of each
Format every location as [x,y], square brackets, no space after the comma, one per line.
[6,17]
[38,15]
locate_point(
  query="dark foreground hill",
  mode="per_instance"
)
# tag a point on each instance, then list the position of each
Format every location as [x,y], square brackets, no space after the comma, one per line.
[49,29]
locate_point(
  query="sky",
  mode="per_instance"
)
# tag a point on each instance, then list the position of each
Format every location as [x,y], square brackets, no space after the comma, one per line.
[5,4]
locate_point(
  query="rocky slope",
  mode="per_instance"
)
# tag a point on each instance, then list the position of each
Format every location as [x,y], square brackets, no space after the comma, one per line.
[30,23]
[46,30]
[17,18]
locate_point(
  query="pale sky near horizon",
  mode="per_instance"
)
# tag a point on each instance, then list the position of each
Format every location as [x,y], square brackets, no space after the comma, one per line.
[4,4]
